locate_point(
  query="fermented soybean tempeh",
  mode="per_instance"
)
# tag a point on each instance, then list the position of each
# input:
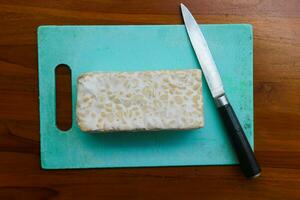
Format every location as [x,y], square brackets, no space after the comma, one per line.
[132,101]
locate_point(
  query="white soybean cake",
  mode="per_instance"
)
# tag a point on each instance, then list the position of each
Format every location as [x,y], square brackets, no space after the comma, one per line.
[132,101]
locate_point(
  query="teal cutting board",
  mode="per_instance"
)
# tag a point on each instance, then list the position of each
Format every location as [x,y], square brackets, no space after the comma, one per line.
[137,48]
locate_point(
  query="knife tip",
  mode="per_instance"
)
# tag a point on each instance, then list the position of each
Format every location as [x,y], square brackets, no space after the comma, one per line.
[183,7]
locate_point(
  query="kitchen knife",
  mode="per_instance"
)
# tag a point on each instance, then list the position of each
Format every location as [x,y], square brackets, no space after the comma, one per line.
[246,157]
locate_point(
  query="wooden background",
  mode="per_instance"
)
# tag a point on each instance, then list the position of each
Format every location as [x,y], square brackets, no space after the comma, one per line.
[277,103]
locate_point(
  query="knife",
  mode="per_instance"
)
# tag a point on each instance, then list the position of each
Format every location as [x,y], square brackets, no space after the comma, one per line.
[245,155]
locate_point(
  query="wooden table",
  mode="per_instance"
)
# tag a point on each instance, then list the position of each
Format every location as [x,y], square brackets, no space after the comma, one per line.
[277,104]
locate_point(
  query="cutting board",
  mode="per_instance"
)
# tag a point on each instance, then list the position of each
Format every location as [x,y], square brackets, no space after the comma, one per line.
[138,48]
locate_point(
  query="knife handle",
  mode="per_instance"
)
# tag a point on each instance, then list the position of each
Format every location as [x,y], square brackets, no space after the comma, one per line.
[246,157]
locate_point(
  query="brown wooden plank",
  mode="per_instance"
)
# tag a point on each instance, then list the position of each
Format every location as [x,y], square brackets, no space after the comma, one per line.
[276,26]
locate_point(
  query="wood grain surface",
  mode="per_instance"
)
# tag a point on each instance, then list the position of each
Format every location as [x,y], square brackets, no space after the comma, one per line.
[276,26]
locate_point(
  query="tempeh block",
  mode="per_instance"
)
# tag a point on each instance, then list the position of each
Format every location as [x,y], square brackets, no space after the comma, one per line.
[132,101]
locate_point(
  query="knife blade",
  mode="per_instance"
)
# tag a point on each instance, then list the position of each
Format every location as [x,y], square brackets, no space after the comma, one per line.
[245,155]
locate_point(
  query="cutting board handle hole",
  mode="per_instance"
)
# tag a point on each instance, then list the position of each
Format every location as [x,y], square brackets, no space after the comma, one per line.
[63,95]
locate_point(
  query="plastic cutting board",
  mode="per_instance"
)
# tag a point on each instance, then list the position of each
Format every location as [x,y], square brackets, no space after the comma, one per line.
[138,48]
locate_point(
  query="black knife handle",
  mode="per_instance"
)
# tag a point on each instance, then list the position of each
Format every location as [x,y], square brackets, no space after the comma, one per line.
[246,157]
